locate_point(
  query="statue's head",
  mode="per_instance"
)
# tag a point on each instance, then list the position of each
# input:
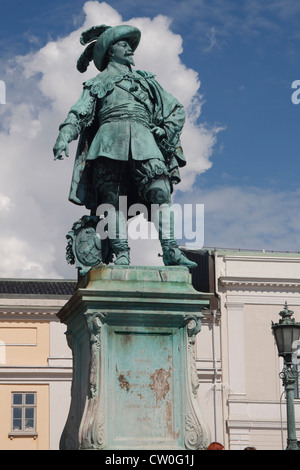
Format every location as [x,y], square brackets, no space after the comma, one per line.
[108,43]
[121,52]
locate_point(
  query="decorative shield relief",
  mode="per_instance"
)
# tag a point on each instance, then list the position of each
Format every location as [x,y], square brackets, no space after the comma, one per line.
[85,247]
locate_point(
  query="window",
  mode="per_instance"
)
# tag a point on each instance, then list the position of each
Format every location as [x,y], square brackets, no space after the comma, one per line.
[23,413]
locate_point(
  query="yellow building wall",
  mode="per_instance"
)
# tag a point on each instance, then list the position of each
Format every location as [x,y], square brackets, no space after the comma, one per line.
[24,343]
[41,442]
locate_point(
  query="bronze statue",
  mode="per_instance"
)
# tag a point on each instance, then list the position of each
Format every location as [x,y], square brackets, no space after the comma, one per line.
[129,145]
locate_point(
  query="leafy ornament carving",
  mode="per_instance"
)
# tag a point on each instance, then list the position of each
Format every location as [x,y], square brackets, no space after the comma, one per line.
[193,328]
[93,431]
[193,434]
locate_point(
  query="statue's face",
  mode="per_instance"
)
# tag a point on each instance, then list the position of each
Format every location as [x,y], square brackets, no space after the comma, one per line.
[121,53]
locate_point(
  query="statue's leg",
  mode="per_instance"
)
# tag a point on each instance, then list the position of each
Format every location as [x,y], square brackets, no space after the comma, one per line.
[110,186]
[156,190]
[163,219]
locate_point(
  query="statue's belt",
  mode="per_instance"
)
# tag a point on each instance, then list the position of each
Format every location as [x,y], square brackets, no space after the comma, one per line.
[131,111]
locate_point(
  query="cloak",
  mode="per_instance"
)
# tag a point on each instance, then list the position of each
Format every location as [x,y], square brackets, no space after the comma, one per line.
[168,113]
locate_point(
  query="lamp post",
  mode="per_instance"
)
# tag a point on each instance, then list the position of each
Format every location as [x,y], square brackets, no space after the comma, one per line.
[286,331]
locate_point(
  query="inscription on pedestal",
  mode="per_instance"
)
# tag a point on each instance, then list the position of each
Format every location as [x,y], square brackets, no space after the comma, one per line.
[143,379]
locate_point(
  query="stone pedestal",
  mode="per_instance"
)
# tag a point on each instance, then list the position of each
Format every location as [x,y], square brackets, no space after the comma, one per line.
[132,332]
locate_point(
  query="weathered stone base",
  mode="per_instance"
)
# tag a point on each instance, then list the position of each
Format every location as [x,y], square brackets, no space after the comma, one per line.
[132,332]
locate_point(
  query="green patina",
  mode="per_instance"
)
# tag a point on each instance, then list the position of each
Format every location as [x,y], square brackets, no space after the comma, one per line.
[129,131]
[132,331]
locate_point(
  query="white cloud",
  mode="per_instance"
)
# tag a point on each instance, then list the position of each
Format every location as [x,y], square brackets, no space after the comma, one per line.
[35,213]
[20,259]
[5,203]
[249,217]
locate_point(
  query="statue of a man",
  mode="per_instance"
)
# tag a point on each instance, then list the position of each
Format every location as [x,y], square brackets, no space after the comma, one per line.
[129,145]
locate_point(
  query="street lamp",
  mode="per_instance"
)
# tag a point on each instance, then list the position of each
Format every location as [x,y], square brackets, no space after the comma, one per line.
[286,332]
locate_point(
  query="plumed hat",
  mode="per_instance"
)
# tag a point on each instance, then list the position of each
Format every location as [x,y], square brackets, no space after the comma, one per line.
[99,40]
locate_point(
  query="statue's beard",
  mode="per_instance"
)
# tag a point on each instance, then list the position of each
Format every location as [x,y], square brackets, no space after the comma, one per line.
[130,60]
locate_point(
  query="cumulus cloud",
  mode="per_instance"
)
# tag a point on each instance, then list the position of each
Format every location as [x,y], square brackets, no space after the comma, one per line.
[41,87]
[19,258]
[249,217]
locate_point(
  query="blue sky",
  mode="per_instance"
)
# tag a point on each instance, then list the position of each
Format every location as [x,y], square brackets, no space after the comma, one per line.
[246,55]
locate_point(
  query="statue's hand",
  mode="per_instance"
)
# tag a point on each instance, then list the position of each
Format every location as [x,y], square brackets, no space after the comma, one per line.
[60,147]
[158,131]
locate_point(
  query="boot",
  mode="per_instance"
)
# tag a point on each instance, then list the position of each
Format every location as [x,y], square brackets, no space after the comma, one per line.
[173,256]
[163,220]
[121,250]
[118,241]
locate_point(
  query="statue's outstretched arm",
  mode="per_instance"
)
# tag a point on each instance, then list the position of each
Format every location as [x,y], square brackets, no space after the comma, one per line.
[80,116]
[65,136]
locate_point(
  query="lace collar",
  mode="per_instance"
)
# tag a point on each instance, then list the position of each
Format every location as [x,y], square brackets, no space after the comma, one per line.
[104,82]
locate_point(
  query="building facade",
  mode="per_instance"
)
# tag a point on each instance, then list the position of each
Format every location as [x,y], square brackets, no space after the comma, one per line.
[240,393]
[238,364]
[35,364]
